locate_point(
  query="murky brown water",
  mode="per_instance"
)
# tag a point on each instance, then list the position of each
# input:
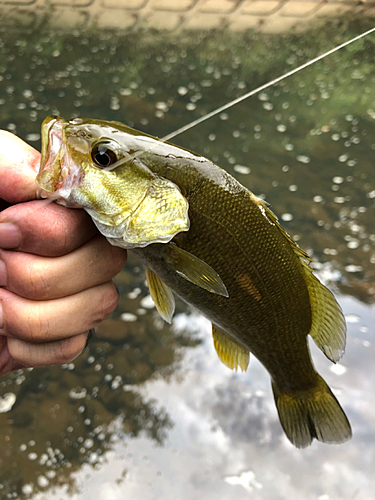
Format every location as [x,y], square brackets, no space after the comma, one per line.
[148,411]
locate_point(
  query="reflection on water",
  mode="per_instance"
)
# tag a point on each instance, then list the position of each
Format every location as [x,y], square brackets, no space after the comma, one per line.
[226,441]
[148,411]
[58,419]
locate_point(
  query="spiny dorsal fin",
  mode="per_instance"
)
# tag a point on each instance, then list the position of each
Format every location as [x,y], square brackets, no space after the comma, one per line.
[195,270]
[272,219]
[230,353]
[161,295]
[328,327]
[264,207]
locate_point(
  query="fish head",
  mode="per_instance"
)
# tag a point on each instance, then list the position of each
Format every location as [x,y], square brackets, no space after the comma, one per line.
[97,165]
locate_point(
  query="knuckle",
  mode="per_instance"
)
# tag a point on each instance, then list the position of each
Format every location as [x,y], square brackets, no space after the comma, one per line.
[19,351]
[112,259]
[36,327]
[70,348]
[58,231]
[119,259]
[38,284]
[33,283]
[109,300]
[26,322]
[50,353]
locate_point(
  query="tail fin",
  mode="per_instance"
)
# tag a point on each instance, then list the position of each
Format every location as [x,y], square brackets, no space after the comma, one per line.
[312,414]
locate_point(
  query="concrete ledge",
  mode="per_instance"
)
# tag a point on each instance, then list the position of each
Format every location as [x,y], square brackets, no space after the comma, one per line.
[117,19]
[301,8]
[174,15]
[217,6]
[259,7]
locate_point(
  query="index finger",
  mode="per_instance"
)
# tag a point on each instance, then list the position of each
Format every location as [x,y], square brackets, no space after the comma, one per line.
[19,164]
[45,228]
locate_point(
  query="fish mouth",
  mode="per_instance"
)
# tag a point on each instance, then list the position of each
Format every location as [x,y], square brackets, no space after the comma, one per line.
[52,171]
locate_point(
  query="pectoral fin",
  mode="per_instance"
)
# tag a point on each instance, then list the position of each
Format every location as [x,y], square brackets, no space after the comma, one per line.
[230,353]
[195,270]
[161,294]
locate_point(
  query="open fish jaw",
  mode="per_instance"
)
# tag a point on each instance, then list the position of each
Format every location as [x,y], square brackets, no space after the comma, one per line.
[129,204]
[58,174]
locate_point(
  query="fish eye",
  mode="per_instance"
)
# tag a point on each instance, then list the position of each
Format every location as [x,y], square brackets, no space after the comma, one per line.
[103,155]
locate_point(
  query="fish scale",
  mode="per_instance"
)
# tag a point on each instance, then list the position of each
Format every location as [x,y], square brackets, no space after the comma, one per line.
[255,323]
[218,247]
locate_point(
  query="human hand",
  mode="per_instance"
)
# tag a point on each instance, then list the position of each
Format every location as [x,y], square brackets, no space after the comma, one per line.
[55,269]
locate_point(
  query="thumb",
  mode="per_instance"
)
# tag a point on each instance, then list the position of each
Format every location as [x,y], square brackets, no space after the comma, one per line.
[19,164]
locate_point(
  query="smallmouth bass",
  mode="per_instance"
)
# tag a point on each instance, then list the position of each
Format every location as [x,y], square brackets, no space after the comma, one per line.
[205,237]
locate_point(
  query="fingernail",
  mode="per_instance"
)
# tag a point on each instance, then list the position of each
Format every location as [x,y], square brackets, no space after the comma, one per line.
[3,274]
[10,236]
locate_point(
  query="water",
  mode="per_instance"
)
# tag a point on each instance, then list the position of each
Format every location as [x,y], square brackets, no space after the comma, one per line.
[149,411]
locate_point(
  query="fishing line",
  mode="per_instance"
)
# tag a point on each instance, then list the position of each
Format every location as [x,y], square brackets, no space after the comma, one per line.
[262,87]
[246,96]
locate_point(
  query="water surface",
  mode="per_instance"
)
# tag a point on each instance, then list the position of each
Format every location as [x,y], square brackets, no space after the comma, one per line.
[149,411]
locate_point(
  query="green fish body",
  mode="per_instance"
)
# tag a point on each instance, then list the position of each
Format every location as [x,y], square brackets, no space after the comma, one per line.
[208,239]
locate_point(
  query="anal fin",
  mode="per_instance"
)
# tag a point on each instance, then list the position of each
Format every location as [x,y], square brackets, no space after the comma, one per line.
[230,353]
[161,295]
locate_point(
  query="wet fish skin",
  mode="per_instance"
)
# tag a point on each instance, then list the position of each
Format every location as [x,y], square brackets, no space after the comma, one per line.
[258,290]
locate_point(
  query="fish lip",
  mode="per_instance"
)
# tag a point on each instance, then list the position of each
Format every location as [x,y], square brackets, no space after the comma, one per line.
[49,178]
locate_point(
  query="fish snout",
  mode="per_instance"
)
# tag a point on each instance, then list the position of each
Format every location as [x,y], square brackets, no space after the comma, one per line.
[52,172]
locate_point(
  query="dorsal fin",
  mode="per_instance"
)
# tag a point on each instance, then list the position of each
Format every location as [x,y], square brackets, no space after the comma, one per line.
[273,219]
[230,353]
[328,328]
